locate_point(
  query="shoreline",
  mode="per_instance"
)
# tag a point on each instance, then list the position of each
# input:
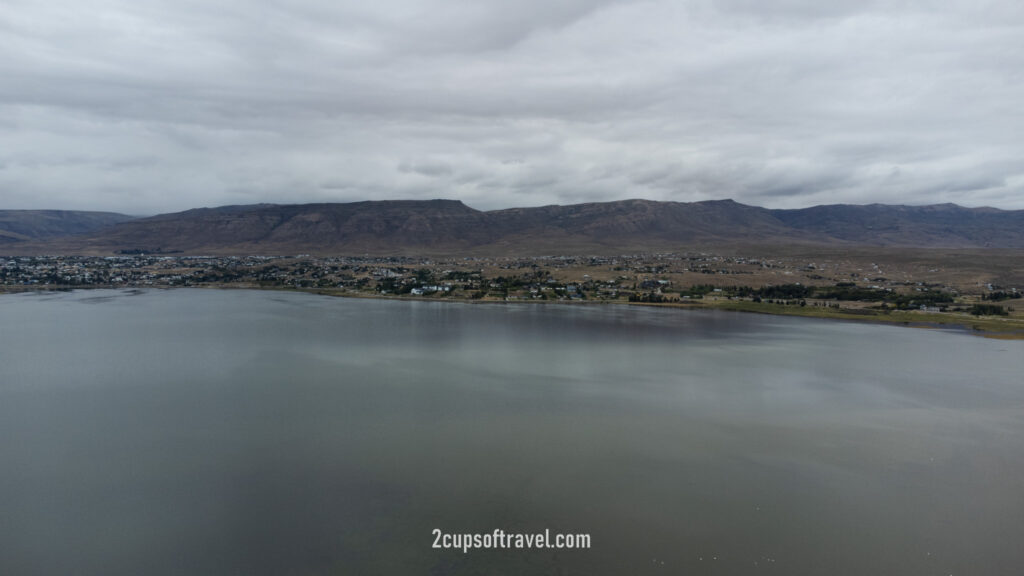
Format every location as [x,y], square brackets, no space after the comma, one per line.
[991,327]
[985,326]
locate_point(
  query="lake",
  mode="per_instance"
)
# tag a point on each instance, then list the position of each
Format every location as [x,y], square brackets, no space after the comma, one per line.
[267,432]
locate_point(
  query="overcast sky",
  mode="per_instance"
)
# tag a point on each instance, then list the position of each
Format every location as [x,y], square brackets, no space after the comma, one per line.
[142,106]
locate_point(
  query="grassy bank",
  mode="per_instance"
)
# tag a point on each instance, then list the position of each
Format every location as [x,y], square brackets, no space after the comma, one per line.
[1009,328]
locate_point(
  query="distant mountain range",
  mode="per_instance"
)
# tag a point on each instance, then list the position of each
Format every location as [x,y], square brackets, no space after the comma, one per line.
[451,227]
[26,225]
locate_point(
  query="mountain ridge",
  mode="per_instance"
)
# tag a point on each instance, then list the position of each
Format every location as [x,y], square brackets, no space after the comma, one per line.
[389,227]
[22,225]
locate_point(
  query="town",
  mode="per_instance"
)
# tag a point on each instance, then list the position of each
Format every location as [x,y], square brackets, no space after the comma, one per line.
[693,278]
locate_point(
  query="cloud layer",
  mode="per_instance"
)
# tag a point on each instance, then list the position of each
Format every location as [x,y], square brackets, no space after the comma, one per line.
[154,106]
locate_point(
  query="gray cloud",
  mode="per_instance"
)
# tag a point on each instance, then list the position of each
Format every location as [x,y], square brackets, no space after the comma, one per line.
[145,107]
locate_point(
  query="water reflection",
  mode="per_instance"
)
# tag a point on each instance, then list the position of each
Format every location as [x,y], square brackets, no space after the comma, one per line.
[226,432]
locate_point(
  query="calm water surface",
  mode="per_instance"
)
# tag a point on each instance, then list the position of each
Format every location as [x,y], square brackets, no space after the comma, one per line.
[245,432]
